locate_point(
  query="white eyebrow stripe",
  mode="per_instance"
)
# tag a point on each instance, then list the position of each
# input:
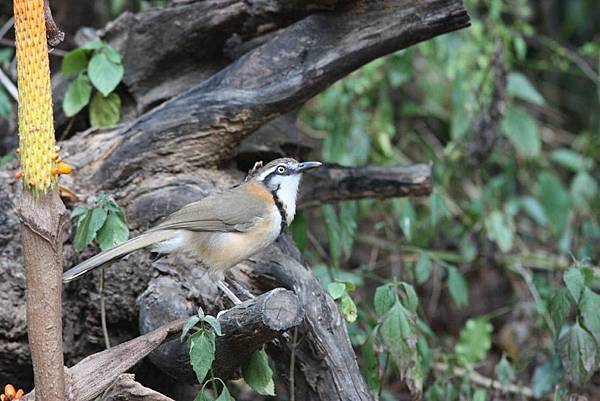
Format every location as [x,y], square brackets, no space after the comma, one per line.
[265,173]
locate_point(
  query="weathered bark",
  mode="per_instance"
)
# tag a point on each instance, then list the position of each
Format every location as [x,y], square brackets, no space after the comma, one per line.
[334,183]
[90,377]
[265,83]
[141,165]
[246,327]
[125,388]
[43,218]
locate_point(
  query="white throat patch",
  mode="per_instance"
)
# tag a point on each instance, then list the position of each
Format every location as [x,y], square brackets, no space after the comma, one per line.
[287,194]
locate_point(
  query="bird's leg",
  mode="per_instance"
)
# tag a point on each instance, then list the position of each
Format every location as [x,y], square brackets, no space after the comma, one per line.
[221,284]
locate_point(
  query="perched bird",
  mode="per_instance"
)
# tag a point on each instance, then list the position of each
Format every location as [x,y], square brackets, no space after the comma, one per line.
[224,229]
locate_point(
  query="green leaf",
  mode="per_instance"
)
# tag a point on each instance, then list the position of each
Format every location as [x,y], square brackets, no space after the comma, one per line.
[408,216]
[79,211]
[94,44]
[113,232]
[500,229]
[571,160]
[112,54]
[505,372]
[474,342]
[202,352]
[590,312]
[87,227]
[459,289]
[409,297]
[579,354]
[535,210]
[423,268]
[558,309]
[371,362]
[438,207]
[480,394]
[385,298]
[191,322]
[104,74]
[555,200]
[336,289]
[105,111]
[257,373]
[522,131]
[225,396]
[74,62]
[77,95]
[214,323]
[584,190]
[347,225]
[546,376]
[575,282]
[348,308]
[519,86]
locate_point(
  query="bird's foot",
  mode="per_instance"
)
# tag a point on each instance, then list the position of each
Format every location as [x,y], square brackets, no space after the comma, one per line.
[221,284]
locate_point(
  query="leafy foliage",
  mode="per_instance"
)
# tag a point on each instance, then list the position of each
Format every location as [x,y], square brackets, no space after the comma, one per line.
[97,66]
[104,222]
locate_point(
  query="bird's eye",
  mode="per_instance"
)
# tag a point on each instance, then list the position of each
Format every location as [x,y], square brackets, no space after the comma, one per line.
[281,169]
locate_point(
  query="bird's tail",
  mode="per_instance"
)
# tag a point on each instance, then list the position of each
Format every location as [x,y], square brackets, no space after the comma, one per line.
[133,244]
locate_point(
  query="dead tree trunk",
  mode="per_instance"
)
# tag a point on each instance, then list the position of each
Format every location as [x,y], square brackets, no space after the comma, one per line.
[165,158]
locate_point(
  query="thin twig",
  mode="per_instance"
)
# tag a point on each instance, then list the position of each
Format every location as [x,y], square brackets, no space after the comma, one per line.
[483,381]
[103,311]
[6,27]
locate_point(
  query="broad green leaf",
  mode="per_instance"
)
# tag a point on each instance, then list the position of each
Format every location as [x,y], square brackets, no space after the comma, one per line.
[348,308]
[579,354]
[505,372]
[409,297]
[590,312]
[94,44]
[104,74]
[225,396]
[584,190]
[571,160]
[77,95]
[575,282]
[336,289]
[79,211]
[202,352]
[459,289]
[480,394]
[87,227]
[113,232]
[474,342]
[112,54]
[112,206]
[535,210]
[370,362]
[558,309]
[258,374]
[408,218]
[105,111]
[214,323]
[385,297]
[500,229]
[522,131]
[546,376]
[74,62]
[423,268]
[519,86]
[555,200]
[191,322]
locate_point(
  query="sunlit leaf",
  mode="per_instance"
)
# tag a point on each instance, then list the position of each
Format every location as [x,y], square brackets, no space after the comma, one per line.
[202,352]
[518,85]
[522,131]
[258,374]
[474,342]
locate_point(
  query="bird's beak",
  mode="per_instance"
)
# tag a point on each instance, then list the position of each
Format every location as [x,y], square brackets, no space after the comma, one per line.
[307,166]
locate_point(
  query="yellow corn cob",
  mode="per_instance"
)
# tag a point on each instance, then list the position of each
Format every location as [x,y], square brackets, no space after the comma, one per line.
[36,125]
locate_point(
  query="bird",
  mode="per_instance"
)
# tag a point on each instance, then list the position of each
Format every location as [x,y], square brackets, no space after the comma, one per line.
[223,229]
